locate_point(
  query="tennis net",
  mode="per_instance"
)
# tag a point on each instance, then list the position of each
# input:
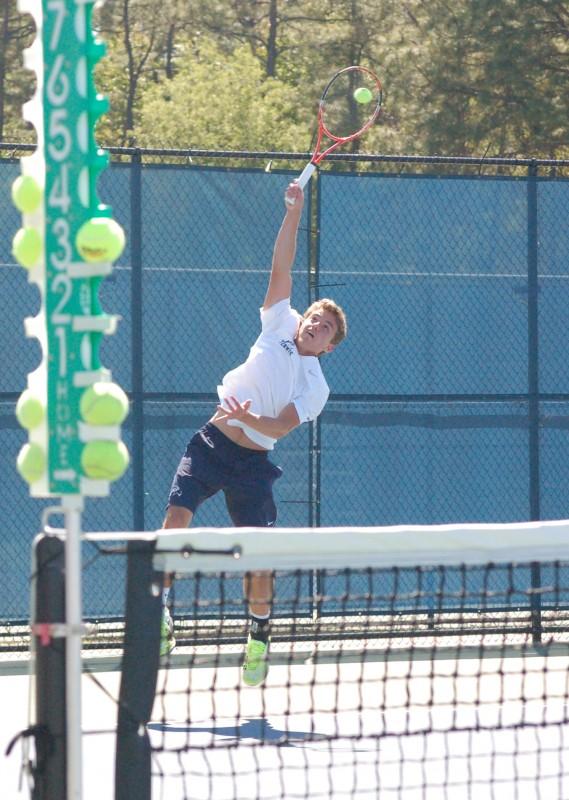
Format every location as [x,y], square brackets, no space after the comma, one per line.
[421,662]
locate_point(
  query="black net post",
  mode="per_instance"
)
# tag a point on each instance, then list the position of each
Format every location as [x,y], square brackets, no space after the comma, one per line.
[49,608]
[139,673]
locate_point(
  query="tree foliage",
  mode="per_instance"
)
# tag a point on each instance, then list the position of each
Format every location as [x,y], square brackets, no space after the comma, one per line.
[16,83]
[461,77]
[221,101]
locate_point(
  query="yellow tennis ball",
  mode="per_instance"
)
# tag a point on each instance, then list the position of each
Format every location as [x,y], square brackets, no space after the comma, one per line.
[104,460]
[27,247]
[103,404]
[26,194]
[363,95]
[31,462]
[30,411]
[100,239]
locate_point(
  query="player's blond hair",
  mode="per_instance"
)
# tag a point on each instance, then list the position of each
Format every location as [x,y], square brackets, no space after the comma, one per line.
[325,304]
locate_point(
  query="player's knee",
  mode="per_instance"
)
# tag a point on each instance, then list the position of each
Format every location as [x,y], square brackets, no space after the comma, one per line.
[177,517]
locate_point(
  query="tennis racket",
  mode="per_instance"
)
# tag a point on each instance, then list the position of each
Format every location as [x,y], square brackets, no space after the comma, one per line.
[349,105]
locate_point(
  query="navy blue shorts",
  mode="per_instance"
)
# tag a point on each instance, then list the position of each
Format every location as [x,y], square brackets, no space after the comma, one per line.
[211,463]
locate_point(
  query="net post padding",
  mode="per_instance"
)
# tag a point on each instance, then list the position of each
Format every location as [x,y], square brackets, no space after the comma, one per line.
[138,674]
[50,672]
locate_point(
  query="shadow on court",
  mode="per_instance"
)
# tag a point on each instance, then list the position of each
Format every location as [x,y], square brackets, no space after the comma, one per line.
[259,729]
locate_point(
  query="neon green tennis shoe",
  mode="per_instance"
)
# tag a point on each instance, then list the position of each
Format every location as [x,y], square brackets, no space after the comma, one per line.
[167,640]
[256,664]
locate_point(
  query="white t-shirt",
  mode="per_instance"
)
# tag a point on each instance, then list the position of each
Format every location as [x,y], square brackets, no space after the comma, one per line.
[275,374]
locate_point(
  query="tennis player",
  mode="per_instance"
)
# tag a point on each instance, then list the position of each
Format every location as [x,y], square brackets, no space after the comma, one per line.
[277,388]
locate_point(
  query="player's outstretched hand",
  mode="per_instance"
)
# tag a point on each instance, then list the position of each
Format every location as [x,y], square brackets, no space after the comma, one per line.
[294,197]
[233,409]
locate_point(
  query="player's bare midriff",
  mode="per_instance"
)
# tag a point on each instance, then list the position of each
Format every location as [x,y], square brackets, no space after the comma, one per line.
[237,435]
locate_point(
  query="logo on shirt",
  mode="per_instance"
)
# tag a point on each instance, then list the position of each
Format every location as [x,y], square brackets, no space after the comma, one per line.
[288,345]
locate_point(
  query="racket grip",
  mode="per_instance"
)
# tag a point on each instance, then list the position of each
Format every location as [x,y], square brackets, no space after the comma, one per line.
[303,179]
[305,175]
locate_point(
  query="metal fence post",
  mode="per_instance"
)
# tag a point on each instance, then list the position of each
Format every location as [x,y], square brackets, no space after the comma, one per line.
[533,344]
[137,333]
[533,385]
[313,295]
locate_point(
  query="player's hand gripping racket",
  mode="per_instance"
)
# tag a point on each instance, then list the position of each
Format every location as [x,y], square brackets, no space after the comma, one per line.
[349,106]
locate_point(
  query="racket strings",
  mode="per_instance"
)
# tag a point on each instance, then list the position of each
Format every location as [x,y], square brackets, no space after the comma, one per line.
[342,114]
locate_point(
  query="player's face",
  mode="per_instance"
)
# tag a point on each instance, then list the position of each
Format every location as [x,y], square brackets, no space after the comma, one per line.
[315,334]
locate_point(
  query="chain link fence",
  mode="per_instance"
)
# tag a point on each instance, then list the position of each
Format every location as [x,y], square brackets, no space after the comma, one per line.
[449,399]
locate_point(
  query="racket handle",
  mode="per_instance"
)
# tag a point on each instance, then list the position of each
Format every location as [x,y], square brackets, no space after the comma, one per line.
[303,179]
[305,175]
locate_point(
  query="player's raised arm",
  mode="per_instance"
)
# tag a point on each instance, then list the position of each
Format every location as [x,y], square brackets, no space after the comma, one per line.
[280,282]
